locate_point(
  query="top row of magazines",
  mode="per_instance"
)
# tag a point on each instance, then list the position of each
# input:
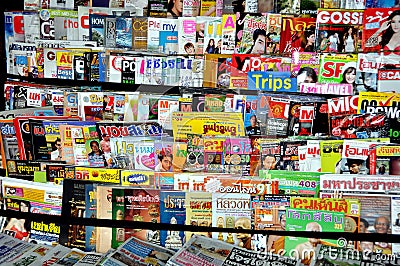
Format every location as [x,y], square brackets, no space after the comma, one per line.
[332,30]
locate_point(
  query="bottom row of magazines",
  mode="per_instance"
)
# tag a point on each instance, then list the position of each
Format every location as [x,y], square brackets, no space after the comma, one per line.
[198,251]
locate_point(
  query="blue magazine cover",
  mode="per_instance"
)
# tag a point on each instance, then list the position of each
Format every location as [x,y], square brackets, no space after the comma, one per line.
[173,211]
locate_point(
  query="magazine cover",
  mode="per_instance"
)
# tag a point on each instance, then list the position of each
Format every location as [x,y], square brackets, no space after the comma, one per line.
[297,34]
[339,69]
[305,220]
[187,35]
[135,205]
[173,211]
[274,26]
[387,80]
[331,155]
[378,30]
[232,210]
[383,103]
[212,36]
[198,212]
[228,34]
[384,159]
[251,33]
[338,30]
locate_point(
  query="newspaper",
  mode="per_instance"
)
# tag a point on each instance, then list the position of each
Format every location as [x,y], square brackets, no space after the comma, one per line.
[137,252]
[203,251]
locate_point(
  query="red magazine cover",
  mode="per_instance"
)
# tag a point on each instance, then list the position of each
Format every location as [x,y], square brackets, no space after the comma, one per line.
[297,35]
[381,30]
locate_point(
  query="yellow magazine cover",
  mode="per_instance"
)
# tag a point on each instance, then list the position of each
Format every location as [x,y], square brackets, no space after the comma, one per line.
[373,102]
[207,123]
[198,211]
[331,155]
[98,174]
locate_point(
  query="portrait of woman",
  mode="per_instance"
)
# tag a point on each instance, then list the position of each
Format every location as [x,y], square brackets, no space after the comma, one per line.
[175,8]
[349,40]
[349,75]
[306,75]
[210,47]
[309,42]
[388,35]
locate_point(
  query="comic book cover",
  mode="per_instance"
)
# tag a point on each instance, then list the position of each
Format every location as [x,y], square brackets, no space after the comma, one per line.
[212,36]
[273,115]
[168,36]
[338,30]
[237,156]
[232,210]
[382,102]
[305,220]
[252,37]
[388,79]
[153,34]
[228,33]
[296,35]
[377,30]
[135,204]
[172,207]
[198,212]
[383,159]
